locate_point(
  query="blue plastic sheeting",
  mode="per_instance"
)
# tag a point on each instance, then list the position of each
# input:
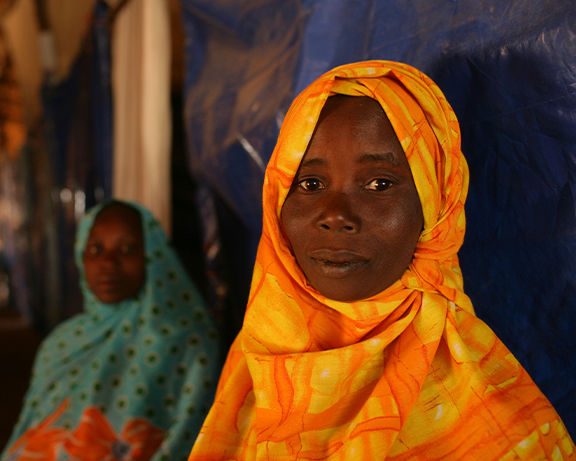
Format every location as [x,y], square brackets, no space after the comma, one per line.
[233,110]
[509,71]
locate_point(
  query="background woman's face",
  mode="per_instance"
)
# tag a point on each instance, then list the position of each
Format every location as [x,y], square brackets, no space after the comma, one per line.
[114,261]
[353,215]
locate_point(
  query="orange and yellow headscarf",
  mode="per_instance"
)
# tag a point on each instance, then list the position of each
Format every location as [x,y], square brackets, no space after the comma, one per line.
[410,373]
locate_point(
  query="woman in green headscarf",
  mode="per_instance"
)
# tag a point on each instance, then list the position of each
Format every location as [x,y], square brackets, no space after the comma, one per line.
[132,377]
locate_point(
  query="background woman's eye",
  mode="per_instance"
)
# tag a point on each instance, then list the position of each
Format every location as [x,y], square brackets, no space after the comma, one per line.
[93,249]
[379,184]
[126,249]
[311,184]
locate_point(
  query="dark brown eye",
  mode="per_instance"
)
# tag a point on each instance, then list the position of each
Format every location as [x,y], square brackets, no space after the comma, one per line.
[379,184]
[127,249]
[93,250]
[311,184]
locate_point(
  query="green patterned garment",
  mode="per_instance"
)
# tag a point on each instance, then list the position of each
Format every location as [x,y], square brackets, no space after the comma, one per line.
[126,381]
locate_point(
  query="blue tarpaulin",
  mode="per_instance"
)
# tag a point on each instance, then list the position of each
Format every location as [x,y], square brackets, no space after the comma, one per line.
[507,68]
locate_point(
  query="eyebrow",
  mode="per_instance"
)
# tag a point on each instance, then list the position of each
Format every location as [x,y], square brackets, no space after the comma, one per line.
[312,162]
[387,158]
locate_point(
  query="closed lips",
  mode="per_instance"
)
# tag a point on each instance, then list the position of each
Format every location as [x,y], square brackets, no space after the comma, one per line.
[337,256]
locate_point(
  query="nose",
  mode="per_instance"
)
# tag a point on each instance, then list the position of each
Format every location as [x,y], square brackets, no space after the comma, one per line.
[109,259]
[338,215]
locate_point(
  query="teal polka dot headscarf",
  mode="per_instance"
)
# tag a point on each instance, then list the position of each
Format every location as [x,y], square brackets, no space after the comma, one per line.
[126,381]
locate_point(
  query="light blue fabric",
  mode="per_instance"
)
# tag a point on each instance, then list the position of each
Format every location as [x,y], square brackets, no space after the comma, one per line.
[153,357]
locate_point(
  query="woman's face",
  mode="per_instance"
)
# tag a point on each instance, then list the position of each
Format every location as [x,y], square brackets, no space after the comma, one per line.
[353,216]
[114,261]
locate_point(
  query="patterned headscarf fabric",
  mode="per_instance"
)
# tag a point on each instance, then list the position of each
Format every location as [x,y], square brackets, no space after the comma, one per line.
[410,373]
[126,381]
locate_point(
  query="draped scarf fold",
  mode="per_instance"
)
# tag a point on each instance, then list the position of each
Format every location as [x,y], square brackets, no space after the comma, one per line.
[410,373]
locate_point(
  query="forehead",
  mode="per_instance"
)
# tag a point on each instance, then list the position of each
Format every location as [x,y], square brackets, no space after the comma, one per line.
[117,219]
[352,126]
[361,108]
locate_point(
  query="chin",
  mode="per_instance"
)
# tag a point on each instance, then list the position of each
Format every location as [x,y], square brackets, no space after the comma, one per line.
[344,297]
[344,294]
[108,298]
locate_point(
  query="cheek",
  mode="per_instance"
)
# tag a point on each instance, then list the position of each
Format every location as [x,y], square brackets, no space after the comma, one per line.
[409,223]
[399,228]
[89,271]
[416,219]
[292,223]
[137,272]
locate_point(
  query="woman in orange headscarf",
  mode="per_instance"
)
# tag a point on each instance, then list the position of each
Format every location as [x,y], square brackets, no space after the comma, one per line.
[358,340]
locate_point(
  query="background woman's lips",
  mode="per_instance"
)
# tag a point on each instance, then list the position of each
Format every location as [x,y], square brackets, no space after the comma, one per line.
[107,284]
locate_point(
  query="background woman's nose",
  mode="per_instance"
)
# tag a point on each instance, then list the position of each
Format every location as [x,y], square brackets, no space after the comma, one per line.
[109,258]
[338,215]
